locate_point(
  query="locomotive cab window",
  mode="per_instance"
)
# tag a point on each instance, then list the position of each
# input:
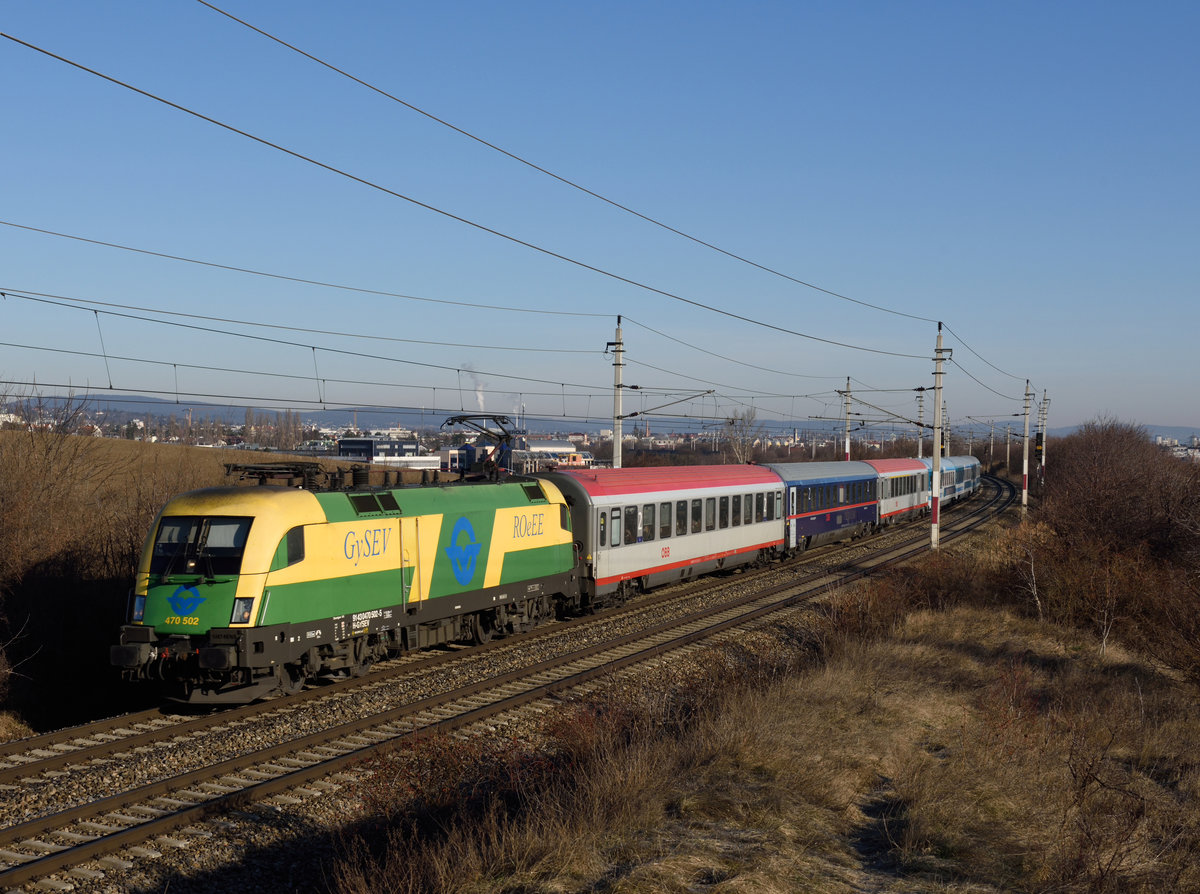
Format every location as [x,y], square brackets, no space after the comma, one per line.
[291,549]
[198,545]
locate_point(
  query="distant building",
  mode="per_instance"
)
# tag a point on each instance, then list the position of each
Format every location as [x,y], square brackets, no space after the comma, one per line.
[386,451]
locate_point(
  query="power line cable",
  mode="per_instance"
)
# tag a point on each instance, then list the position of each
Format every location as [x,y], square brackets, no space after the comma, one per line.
[721,356]
[482,227]
[67,303]
[980,356]
[558,177]
[17,293]
[297,279]
[277,404]
[981,385]
[48,349]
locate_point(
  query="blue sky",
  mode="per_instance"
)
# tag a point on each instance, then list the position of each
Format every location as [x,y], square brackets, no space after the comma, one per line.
[1024,172]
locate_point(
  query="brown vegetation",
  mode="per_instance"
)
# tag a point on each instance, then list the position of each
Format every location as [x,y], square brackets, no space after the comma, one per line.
[1015,717]
[989,720]
[74,512]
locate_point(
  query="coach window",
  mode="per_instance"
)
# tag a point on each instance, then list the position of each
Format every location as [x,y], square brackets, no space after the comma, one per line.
[759,500]
[736,511]
[681,518]
[770,513]
[631,524]
[664,520]
[697,520]
[648,521]
[749,511]
[616,527]
[710,513]
[723,512]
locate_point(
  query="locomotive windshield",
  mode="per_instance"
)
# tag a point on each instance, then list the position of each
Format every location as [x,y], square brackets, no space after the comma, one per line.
[199,545]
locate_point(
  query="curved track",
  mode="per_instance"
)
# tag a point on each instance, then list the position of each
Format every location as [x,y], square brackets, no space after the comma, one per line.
[71,840]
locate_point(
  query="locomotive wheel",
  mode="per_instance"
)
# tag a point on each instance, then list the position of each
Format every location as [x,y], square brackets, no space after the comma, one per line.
[363,657]
[291,679]
[482,627]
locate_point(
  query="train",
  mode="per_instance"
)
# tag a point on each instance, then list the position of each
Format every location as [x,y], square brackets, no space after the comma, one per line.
[244,592]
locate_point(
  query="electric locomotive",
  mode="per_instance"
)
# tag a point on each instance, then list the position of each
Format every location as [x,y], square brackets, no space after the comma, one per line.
[248,590]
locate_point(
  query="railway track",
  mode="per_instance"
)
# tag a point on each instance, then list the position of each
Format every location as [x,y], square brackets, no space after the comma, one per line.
[82,841]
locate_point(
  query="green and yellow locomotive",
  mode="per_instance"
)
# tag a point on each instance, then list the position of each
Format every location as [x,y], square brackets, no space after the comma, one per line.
[243,591]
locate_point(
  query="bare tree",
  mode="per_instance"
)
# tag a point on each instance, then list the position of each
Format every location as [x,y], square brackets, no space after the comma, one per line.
[741,435]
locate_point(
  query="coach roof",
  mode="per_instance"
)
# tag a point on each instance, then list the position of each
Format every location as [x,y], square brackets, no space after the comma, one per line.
[654,479]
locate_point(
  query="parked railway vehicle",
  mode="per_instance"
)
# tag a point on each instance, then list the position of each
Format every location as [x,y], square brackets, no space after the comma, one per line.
[244,591]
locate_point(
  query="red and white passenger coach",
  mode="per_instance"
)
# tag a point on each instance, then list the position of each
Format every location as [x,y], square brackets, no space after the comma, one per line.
[646,527]
[903,489]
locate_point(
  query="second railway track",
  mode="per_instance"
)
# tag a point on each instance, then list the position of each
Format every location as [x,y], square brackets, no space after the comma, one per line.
[70,841]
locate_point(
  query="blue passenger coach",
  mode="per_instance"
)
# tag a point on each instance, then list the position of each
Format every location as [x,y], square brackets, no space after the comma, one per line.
[827,501]
[960,476]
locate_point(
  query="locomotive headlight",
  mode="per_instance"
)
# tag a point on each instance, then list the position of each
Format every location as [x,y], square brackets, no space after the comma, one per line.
[139,608]
[242,607]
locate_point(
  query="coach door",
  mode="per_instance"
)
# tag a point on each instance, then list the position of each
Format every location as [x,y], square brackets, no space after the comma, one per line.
[792,536]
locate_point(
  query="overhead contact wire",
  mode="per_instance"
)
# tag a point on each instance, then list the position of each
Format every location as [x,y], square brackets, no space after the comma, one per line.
[559,178]
[481,227]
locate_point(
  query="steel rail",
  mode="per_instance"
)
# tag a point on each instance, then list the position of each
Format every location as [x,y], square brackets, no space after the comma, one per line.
[33,867]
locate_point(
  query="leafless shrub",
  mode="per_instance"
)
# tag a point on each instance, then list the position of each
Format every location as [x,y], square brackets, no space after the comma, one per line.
[1112,487]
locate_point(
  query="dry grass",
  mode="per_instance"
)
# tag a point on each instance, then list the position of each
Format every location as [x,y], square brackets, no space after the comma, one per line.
[964,749]
[74,512]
